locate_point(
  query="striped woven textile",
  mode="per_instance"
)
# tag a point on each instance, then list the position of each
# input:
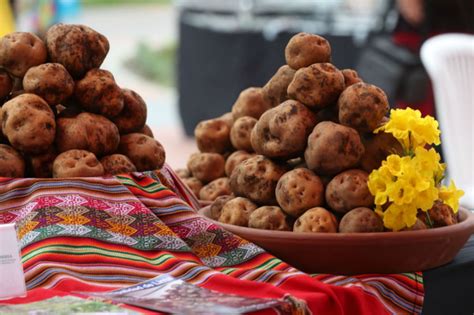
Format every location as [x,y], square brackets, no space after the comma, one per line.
[96,234]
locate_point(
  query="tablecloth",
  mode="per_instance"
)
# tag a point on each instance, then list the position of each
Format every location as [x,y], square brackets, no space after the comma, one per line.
[97,234]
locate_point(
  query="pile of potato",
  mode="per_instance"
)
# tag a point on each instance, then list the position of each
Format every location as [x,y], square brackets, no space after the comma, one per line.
[295,155]
[63,116]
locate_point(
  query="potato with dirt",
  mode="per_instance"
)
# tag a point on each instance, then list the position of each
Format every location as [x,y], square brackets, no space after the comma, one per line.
[240,133]
[77,47]
[194,184]
[11,162]
[115,164]
[251,102]
[28,123]
[349,190]
[362,106]
[299,190]
[146,130]
[256,179]
[234,159]
[6,85]
[218,204]
[206,166]
[305,49]
[237,211]
[214,189]
[282,131]
[269,218]
[316,220]
[77,163]
[350,77]
[275,91]
[147,154]
[213,135]
[133,116]
[41,166]
[317,86]
[20,51]
[361,220]
[377,148]
[228,118]
[333,148]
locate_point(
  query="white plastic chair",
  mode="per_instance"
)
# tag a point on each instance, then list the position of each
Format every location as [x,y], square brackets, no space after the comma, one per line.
[449,61]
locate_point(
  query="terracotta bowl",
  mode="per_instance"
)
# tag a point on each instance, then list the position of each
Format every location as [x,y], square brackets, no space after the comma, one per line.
[356,253]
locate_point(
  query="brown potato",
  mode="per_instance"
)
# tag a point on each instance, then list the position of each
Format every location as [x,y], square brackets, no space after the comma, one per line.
[440,215]
[182,173]
[361,220]
[6,85]
[117,164]
[282,131]
[228,118]
[251,102]
[333,148]
[269,218]
[234,159]
[237,211]
[218,204]
[350,77]
[362,106]
[77,163]
[77,47]
[240,133]
[51,81]
[275,91]
[330,113]
[146,153]
[304,49]
[316,220]
[146,130]
[419,225]
[298,190]
[98,93]
[87,131]
[317,86]
[12,163]
[216,188]
[133,116]
[377,148]
[206,166]
[28,123]
[256,178]
[213,136]
[193,184]
[41,166]
[20,51]
[348,190]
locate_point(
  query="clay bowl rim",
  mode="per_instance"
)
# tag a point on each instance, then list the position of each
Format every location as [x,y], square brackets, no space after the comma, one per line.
[467,223]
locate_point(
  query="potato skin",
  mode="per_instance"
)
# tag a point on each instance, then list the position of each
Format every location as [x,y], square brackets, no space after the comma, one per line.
[316,220]
[51,81]
[350,77]
[193,184]
[146,130]
[362,107]
[440,214]
[271,136]
[206,166]
[28,123]
[251,102]
[20,51]
[256,178]
[213,136]
[146,153]
[298,190]
[234,159]
[218,204]
[133,116]
[317,86]
[12,163]
[361,220]
[333,148]
[117,164]
[237,211]
[6,84]
[240,133]
[377,148]
[182,173]
[228,118]
[214,189]
[305,49]
[275,91]
[269,218]
[77,163]
[78,47]
[348,190]
[98,93]
[41,166]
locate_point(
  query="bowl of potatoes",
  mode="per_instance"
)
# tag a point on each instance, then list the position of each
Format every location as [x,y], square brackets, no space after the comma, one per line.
[288,168]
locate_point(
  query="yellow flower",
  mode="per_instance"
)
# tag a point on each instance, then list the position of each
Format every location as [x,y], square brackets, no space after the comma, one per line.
[451,195]
[377,184]
[428,163]
[397,217]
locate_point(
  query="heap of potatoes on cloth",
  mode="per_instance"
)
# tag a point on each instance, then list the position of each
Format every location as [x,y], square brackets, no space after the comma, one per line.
[63,116]
[295,154]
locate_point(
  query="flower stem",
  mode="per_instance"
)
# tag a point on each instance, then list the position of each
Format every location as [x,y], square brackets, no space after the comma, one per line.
[430,223]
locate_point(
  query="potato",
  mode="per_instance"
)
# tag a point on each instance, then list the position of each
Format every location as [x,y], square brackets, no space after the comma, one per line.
[298,190]
[87,131]
[350,77]
[237,211]
[146,153]
[282,131]
[214,189]
[12,163]
[348,190]
[317,86]
[330,113]
[305,49]
[234,159]
[28,123]
[240,133]
[269,218]
[146,130]
[182,173]
[206,166]
[79,48]
[316,220]
[256,178]
[115,164]
[20,51]
[275,91]
[362,107]
[133,116]
[228,118]
[333,148]
[251,102]
[193,184]
[41,166]
[6,85]
[361,220]
[77,163]
[218,204]
[51,81]
[440,214]
[98,93]
[377,148]
[213,136]
[419,225]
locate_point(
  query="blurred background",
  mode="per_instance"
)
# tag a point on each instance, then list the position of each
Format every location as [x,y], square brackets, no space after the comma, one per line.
[189,59]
